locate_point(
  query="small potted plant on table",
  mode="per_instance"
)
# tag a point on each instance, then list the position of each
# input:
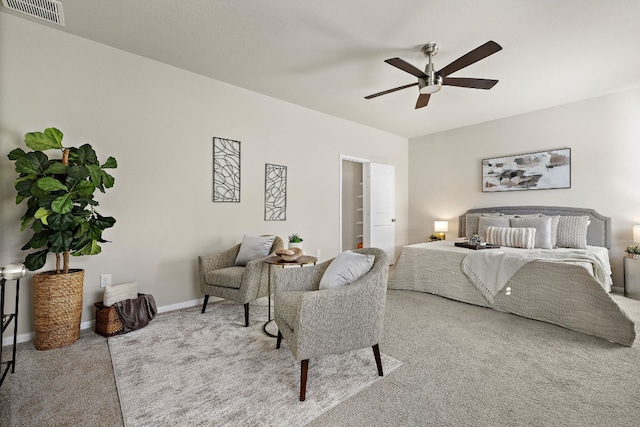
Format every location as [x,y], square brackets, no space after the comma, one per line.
[295,241]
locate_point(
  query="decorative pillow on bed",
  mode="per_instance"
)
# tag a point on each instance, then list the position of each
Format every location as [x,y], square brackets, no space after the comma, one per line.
[572,232]
[512,237]
[487,221]
[543,226]
[473,219]
[254,247]
[345,269]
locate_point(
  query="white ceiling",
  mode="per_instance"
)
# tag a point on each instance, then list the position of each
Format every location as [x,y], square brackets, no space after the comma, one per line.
[327,55]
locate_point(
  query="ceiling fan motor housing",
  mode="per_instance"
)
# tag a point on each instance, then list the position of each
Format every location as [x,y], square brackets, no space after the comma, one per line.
[432,82]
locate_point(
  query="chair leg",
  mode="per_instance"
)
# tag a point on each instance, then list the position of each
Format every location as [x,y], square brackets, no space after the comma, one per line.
[206,300]
[304,368]
[376,354]
[246,314]
[279,340]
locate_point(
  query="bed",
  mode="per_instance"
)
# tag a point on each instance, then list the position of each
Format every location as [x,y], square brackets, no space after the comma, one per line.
[565,292]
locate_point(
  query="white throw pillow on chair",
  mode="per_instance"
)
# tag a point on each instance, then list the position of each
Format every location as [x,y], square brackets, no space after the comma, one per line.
[345,269]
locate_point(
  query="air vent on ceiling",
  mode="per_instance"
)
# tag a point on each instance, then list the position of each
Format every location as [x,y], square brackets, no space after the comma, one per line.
[48,10]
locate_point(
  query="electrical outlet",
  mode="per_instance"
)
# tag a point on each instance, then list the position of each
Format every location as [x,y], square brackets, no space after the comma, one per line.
[318,253]
[105,280]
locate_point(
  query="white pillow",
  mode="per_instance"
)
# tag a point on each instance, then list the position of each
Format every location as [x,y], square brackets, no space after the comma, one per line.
[345,269]
[254,247]
[543,226]
[116,293]
[512,237]
[487,221]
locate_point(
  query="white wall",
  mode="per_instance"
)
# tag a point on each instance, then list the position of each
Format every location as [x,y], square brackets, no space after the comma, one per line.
[159,121]
[603,134]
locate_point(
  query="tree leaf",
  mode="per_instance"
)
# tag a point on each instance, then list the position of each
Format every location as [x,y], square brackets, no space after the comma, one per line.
[38,240]
[111,163]
[56,168]
[84,155]
[23,186]
[61,221]
[108,180]
[91,248]
[34,162]
[15,154]
[50,184]
[41,213]
[60,241]
[62,204]
[103,221]
[85,188]
[39,141]
[78,172]
[96,174]
[36,260]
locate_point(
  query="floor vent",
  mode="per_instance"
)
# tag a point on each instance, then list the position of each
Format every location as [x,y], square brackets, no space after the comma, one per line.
[48,10]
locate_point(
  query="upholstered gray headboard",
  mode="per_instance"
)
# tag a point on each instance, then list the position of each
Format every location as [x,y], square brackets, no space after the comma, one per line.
[598,233]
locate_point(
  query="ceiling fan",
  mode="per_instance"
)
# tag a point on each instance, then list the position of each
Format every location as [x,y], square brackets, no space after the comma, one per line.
[431,81]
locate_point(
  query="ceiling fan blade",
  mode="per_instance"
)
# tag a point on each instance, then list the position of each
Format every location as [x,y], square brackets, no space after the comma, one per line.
[390,90]
[471,83]
[423,100]
[405,66]
[489,48]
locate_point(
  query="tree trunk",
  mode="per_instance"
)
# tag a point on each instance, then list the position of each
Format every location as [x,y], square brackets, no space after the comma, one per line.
[57,263]
[65,255]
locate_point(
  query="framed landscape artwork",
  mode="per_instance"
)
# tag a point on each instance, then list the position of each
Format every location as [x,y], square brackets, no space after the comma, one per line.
[530,171]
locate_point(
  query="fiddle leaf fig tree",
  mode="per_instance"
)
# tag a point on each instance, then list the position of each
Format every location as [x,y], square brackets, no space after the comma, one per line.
[59,194]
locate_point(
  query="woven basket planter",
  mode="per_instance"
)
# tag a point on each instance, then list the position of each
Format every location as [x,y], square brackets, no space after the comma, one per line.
[57,306]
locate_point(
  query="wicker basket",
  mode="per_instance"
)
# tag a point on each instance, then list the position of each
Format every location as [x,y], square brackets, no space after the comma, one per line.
[108,321]
[57,306]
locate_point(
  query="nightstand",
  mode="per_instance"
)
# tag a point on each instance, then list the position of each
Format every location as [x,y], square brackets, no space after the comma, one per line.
[632,278]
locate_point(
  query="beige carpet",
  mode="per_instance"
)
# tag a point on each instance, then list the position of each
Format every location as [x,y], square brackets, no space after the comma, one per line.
[188,368]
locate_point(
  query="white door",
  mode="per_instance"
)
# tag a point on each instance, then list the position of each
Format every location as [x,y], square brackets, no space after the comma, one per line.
[379,197]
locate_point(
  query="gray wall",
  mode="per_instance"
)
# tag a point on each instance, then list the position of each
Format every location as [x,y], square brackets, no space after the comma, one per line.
[159,121]
[603,134]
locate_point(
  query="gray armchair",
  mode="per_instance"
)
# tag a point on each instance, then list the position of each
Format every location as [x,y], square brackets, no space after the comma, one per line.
[315,323]
[220,277]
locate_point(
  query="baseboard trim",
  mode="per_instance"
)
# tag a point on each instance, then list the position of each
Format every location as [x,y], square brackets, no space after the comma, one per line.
[89,324]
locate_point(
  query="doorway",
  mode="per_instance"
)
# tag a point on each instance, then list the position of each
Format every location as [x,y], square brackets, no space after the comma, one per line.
[367,205]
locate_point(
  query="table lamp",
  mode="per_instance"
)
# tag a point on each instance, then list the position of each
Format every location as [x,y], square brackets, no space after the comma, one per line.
[636,234]
[441,227]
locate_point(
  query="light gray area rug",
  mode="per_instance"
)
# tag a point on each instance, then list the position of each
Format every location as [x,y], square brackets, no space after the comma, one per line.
[188,368]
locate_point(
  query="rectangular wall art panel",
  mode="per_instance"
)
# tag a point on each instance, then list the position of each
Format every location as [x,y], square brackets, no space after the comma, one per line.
[531,171]
[226,170]
[275,193]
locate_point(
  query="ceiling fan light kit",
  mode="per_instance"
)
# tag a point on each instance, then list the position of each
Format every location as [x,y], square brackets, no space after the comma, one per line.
[431,81]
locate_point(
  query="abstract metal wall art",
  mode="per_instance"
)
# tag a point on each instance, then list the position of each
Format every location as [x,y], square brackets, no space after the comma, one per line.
[226,170]
[531,171]
[275,192]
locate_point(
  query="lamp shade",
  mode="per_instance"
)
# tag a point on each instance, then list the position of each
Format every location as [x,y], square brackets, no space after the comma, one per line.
[13,271]
[441,226]
[636,233]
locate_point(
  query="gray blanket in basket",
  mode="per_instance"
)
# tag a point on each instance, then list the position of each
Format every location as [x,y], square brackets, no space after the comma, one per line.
[136,313]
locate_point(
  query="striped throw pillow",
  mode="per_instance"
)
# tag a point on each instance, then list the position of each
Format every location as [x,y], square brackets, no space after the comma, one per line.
[512,237]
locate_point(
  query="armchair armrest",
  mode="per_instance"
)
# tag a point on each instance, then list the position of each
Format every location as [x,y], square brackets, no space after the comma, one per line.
[216,261]
[299,279]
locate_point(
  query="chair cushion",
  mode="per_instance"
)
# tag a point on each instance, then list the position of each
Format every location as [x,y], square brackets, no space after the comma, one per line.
[254,247]
[230,277]
[345,269]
